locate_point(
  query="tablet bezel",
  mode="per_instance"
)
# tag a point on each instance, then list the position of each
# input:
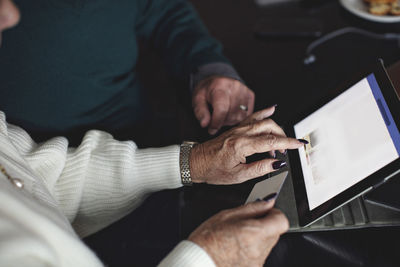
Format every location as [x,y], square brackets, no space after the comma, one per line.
[306,216]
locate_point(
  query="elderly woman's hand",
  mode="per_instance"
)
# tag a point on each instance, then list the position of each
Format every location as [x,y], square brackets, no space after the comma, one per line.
[222,160]
[243,236]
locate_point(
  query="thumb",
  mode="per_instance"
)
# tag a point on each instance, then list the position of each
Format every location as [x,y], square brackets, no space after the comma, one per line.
[200,108]
[253,210]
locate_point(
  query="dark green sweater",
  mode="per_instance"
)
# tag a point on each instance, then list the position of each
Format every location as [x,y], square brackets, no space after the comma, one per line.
[70,64]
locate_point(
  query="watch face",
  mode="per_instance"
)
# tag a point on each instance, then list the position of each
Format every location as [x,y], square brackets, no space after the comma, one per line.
[189,143]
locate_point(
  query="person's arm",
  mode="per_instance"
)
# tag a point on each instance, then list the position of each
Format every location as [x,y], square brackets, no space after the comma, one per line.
[174,29]
[100,181]
[103,179]
[243,236]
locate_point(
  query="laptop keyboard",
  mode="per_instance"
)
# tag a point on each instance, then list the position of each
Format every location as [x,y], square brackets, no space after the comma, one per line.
[353,213]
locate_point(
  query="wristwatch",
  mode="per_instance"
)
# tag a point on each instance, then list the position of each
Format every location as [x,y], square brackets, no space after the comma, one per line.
[184,165]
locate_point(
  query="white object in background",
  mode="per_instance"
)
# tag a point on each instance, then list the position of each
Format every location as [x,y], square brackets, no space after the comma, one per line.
[360,9]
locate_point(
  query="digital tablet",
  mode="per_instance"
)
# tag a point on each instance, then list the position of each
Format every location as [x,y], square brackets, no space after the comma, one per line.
[354,146]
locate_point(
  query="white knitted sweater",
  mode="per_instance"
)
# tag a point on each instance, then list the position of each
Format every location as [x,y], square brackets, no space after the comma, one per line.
[70,193]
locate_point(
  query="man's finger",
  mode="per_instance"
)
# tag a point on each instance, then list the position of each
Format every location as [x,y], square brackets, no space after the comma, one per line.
[236,114]
[220,104]
[250,102]
[242,97]
[200,108]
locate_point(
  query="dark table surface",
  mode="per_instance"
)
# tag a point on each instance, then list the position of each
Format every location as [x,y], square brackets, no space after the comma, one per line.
[274,69]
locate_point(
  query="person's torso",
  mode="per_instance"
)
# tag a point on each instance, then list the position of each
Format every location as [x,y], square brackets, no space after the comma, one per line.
[70,64]
[32,225]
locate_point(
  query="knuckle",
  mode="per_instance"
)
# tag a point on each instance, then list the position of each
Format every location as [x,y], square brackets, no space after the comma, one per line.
[274,124]
[251,207]
[220,106]
[229,142]
[198,109]
[254,126]
[271,140]
[219,82]
[224,214]
[268,121]
[243,127]
[233,143]
[279,223]
[259,168]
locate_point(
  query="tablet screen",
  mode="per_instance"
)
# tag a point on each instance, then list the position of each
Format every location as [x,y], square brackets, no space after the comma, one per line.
[351,137]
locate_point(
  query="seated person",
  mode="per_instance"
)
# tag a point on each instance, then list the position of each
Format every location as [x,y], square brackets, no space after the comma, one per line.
[52,194]
[72,67]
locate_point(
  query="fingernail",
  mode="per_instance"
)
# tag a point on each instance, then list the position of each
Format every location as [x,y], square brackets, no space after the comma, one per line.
[303,141]
[270,197]
[213,131]
[278,164]
[275,105]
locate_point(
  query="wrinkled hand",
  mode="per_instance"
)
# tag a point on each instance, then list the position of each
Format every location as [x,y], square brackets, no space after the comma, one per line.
[225,95]
[243,236]
[222,160]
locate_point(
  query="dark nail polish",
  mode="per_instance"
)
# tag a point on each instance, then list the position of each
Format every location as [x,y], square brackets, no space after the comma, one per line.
[278,164]
[270,197]
[303,141]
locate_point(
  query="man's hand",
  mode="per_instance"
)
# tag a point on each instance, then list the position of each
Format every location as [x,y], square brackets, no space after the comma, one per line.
[225,96]
[243,236]
[222,160]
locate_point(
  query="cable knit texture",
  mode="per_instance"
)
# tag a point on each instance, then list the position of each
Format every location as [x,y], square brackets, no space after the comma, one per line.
[88,188]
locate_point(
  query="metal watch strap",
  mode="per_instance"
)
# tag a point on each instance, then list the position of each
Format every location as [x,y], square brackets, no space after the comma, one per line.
[184,156]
